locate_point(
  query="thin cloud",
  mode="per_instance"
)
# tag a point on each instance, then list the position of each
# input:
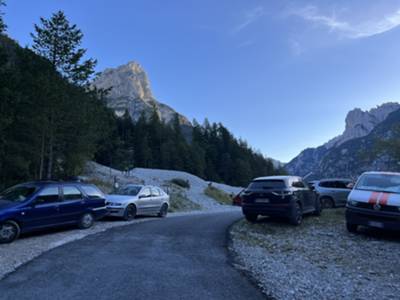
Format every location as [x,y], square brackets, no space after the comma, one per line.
[250,17]
[347,29]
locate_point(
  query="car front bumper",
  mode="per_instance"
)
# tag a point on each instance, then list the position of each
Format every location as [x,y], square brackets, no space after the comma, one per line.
[115,211]
[372,218]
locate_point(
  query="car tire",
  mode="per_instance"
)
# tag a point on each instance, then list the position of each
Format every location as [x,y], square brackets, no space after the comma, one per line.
[296,214]
[9,232]
[130,212]
[327,202]
[252,218]
[163,211]
[352,228]
[86,221]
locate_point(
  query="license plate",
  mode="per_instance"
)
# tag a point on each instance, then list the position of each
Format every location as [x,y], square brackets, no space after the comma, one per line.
[261,200]
[375,224]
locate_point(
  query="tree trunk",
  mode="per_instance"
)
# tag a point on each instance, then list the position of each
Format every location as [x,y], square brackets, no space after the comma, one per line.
[41,169]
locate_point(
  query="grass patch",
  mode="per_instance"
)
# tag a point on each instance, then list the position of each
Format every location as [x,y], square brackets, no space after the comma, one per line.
[181,182]
[180,202]
[218,195]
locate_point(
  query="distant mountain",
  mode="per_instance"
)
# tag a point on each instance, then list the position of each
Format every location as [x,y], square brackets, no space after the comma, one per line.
[347,154]
[131,92]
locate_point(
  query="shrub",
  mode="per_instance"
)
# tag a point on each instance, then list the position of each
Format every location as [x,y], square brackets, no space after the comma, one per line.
[181,182]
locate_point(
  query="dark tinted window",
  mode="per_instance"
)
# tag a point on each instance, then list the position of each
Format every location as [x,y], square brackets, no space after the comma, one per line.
[18,193]
[92,192]
[327,184]
[71,193]
[48,195]
[342,184]
[267,184]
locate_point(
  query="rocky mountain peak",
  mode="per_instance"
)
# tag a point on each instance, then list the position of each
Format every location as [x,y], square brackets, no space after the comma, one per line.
[359,123]
[130,91]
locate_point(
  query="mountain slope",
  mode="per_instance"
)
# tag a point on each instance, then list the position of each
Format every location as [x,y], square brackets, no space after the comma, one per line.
[331,159]
[130,91]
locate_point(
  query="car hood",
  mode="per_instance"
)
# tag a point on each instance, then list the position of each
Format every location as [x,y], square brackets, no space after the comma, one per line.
[121,198]
[373,197]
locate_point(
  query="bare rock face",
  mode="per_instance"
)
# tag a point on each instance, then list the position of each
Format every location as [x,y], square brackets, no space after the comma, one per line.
[333,158]
[130,91]
[359,123]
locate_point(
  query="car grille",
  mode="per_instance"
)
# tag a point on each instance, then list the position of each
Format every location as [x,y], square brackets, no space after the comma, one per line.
[387,208]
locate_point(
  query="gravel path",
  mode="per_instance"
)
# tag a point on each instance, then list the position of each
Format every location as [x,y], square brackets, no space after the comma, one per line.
[318,260]
[31,246]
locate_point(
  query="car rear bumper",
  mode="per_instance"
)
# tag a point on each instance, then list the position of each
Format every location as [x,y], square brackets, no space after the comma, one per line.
[371,218]
[281,209]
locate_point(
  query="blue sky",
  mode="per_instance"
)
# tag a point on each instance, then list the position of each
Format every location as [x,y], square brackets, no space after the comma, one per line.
[280,74]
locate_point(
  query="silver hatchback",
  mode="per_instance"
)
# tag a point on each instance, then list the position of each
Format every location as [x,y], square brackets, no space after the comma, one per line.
[132,200]
[333,192]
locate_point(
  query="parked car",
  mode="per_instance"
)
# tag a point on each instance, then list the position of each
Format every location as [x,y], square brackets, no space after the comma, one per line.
[237,200]
[132,200]
[285,196]
[37,205]
[374,202]
[333,192]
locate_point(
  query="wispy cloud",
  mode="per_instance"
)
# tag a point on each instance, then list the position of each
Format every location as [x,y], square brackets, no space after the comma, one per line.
[250,17]
[346,28]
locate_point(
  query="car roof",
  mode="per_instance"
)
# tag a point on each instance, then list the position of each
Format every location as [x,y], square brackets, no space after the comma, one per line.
[50,182]
[281,177]
[335,179]
[380,173]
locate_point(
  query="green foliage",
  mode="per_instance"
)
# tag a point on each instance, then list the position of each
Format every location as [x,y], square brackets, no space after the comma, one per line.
[181,182]
[212,153]
[59,41]
[218,195]
[48,126]
[3,26]
[180,202]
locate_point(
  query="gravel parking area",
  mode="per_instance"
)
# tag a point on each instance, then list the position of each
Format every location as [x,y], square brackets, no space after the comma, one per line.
[31,246]
[319,259]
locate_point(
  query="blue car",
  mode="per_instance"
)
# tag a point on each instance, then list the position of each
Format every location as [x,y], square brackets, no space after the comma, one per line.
[37,205]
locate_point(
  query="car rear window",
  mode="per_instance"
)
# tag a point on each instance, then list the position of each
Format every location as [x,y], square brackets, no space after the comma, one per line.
[267,184]
[92,192]
[379,182]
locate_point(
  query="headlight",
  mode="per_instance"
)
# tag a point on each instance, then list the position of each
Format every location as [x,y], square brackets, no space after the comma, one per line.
[114,204]
[352,203]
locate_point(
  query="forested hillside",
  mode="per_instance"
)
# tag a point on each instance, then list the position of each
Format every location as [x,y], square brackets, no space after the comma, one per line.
[52,122]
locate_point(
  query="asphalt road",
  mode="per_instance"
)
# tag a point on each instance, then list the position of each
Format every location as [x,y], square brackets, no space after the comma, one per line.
[174,258]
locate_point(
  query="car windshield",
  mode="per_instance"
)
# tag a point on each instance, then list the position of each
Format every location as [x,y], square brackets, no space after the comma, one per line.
[18,193]
[379,182]
[130,190]
[267,184]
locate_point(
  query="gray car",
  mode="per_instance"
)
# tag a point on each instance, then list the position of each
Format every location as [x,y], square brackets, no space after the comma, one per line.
[132,200]
[333,192]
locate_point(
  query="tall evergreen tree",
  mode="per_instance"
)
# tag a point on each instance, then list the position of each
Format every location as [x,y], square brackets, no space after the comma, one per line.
[59,41]
[3,26]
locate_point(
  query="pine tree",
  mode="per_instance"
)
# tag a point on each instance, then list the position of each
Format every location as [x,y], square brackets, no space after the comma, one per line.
[3,26]
[59,41]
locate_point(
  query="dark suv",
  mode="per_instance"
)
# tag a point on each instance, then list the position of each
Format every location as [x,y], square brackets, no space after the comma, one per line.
[37,205]
[284,196]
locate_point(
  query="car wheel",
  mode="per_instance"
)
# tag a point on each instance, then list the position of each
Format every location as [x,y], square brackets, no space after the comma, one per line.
[163,211]
[251,217]
[130,212]
[296,215]
[9,232]
[327,202]
[351,227]
[86,221]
